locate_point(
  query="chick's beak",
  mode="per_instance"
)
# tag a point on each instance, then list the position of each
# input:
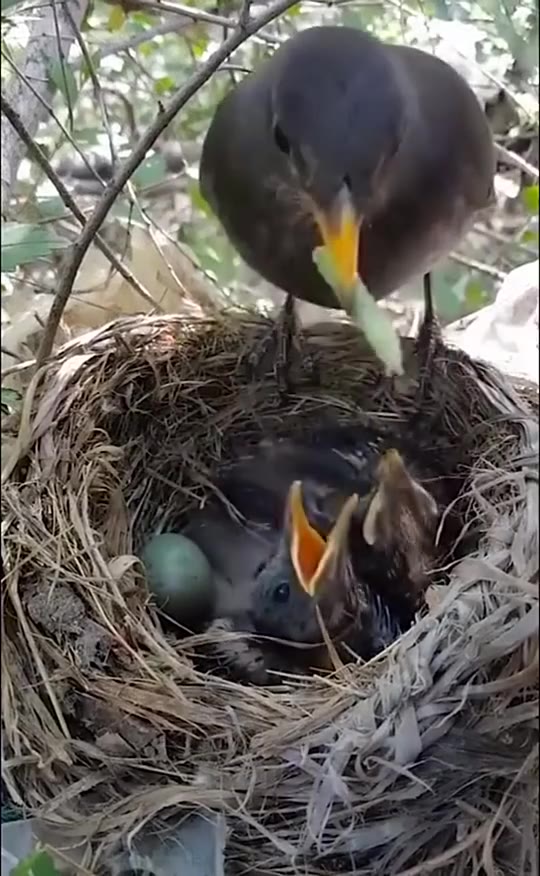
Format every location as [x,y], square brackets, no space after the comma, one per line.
[392,469]
[340,231]
[314,558]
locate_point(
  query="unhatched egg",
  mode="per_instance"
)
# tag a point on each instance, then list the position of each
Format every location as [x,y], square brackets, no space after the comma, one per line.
[180,577]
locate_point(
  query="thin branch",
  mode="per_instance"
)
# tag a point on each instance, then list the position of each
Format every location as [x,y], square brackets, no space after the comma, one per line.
[98,94]
[115,47]
[165,116]
[198,15]
[37,155]
[517,161]
[46,44]
[478,266]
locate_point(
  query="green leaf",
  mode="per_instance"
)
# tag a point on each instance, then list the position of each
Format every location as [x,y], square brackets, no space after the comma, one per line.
[530,236]
[116,19]
[197,199]
[61,75]
[531,199]
[200,43]
[87,136]
[51,208]
[95,59]
[142,20]
[147,49]
[151,171]
[7,4]
[294,11]
[164,85]
[10,400]
[23,244]
[37,864]
[476,296]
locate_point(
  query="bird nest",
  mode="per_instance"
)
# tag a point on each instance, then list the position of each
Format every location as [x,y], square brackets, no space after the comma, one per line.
[423,760]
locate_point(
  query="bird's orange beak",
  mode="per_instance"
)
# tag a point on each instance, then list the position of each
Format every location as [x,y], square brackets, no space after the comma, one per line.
[340,231]
[312,555]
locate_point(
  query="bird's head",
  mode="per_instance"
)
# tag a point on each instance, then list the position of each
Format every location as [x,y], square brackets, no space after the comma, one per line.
[338,118]
[401,520]
[308,569]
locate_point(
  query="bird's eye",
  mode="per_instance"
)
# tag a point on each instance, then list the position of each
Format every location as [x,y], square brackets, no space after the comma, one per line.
[281,593]
[281,141]
[347,182]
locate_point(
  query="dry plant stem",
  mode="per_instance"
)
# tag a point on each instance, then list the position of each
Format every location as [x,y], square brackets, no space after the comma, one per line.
[37,155]
[511,157]
[166,114]
[50,39]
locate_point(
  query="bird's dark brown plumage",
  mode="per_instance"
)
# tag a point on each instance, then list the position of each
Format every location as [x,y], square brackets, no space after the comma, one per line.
[332,109]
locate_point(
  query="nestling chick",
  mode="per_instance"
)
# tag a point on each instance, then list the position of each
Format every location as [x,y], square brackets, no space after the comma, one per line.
[310,577]
[400,527]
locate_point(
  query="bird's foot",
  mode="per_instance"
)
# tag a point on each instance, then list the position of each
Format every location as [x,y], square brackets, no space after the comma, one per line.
[239,657]
[278,349]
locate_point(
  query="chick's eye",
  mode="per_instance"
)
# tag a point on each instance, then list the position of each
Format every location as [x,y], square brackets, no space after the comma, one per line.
[281,593]
[281,141]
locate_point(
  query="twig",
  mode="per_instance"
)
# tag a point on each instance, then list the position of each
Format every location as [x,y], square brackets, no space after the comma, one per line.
[9,353]
[194,14]
[511,158]
[478,266]
[116,47]
[165,116]
[95,83]
[505,240]
[44,45]
[41,160]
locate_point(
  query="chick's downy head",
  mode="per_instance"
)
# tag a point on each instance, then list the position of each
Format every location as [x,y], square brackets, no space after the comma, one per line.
[401,521]
[308,569]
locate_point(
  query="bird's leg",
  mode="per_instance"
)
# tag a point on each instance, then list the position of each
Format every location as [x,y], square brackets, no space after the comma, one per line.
[278,347]
[429,339]
[286,340]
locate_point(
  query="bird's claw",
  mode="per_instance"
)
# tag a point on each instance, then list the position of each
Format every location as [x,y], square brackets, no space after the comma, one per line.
[239,657]
[277,350]
[266,355]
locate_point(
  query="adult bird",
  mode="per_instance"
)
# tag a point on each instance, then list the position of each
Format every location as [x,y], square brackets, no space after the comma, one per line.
[343,529]
[380,152]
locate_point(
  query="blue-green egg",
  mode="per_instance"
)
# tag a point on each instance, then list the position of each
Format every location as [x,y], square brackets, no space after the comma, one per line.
[180,577]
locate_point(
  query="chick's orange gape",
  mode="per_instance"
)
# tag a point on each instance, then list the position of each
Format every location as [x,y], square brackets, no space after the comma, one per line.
[307,545]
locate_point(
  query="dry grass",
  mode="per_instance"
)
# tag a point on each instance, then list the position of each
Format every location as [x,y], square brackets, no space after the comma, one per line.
[424,761]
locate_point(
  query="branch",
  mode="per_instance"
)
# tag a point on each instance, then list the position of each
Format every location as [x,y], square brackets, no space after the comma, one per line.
[37,155]
[171,24]
[511,158]
[49,40]
[197,15]
[166,114]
